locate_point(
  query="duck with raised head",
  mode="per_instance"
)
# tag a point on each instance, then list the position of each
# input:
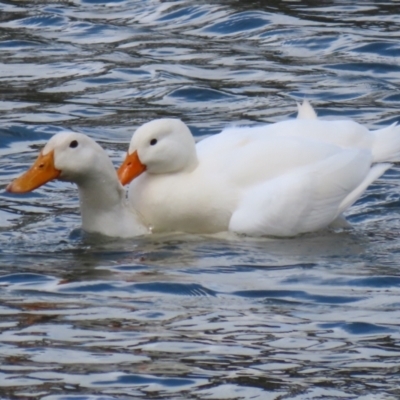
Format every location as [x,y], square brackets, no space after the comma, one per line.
[74,157]
[281,179]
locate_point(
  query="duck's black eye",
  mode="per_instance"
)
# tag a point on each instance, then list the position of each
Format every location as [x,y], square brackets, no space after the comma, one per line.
[73,144]
[153,142]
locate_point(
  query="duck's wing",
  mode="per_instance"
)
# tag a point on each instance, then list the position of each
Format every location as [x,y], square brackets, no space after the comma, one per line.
[342,133]
[307,198]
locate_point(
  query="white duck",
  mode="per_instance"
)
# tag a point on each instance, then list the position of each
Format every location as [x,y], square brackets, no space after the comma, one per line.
[76,158]
[274,180]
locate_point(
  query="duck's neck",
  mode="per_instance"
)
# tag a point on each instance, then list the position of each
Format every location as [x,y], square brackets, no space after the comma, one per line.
[104,208]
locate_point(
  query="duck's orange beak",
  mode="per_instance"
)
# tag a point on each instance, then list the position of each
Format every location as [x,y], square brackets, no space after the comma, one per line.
[41,172]
[130,168]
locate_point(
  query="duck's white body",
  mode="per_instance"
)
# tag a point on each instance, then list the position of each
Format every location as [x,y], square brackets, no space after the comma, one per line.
[76,158]
[281,179]
[384,144]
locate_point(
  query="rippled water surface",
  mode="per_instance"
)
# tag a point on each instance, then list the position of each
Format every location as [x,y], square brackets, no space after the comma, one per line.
[192,317]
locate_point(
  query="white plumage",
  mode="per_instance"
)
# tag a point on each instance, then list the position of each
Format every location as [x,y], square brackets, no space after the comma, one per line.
[280,179]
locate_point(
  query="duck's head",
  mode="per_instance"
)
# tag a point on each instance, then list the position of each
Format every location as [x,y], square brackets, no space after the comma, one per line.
[161,146]
[67,156]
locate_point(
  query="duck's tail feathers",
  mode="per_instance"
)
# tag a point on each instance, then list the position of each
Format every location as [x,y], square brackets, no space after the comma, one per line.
[386,147]
[375,172]
[306,111]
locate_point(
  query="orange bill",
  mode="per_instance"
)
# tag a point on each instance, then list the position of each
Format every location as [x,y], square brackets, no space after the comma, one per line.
[41,172]
[130,168]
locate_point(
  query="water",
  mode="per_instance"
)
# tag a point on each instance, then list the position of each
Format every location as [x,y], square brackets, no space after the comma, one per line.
[192,317]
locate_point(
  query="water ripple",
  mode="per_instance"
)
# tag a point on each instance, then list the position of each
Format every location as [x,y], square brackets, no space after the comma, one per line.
[238,23]
[186,316]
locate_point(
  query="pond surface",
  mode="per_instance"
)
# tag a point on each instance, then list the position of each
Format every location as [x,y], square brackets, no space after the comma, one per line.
[190,317]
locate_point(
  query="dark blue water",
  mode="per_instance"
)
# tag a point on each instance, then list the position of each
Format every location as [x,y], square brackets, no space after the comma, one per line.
[192,317]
